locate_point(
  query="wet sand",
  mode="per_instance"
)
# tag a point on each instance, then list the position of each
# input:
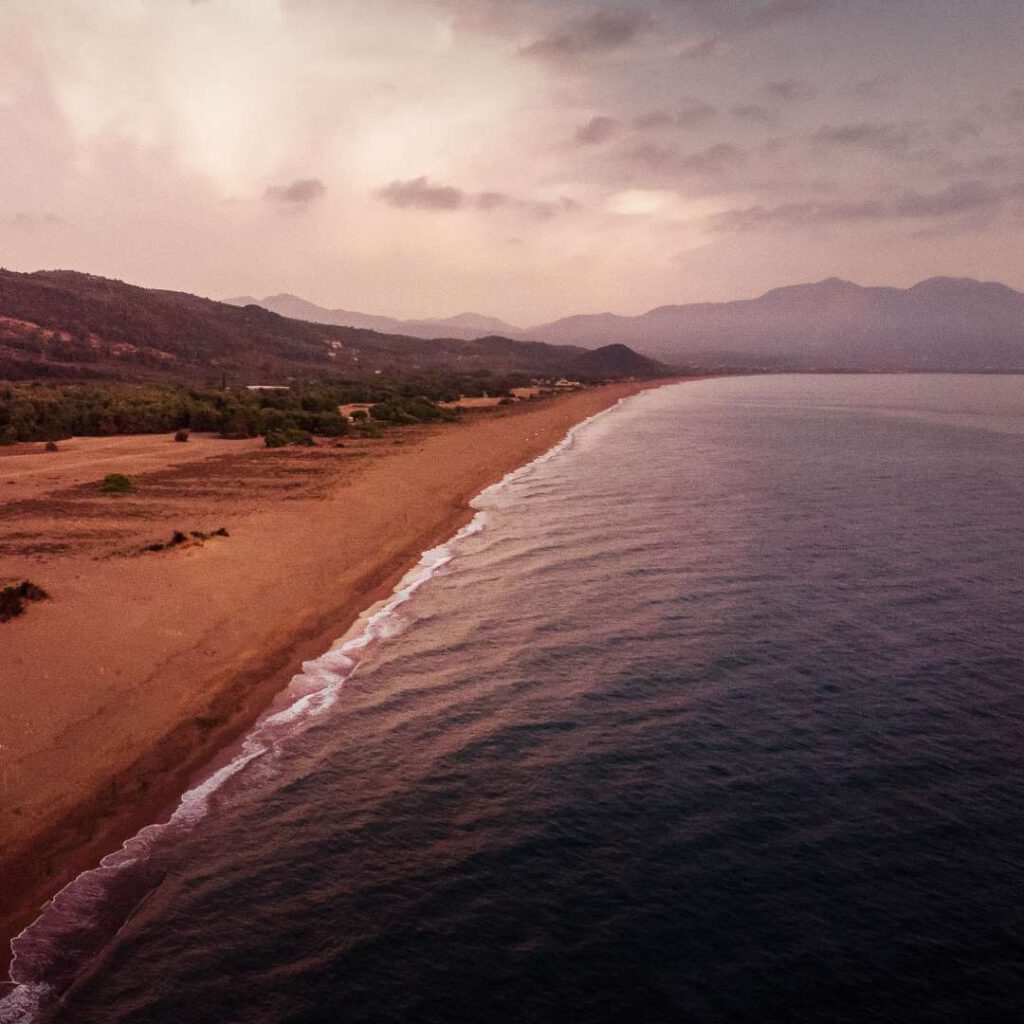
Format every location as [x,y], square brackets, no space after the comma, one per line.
[142,665]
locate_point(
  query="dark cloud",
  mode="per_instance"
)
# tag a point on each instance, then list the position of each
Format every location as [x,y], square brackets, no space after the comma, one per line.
[539,209]
[781,10]
[27,221]
[717,159]
[692,115]
[888,138]
[601,32]
[962,128]
[652,157]
[419,193]
[596,131]
[874,86]
[960,199]
[790,89]
[298,193]
[703,49]
[754,113]
[695,114]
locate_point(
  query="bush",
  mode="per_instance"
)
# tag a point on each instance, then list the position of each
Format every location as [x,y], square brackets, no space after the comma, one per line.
[50,446]
[117,483]
[281,438]
[13,598]
[181,436]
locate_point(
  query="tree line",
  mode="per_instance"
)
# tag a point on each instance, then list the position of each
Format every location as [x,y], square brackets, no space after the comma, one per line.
[50,412]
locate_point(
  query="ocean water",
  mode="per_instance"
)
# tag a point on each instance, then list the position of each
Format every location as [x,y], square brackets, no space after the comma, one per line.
[714,715]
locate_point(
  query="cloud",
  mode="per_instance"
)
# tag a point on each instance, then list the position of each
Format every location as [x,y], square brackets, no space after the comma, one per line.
[692,115]
[298,193]
[962,128]
[596,130]
[1013,105]
[754,113]
[703,49]
[782,10]
[717,159]
[959,199]
[871,87]
[26,221]
[601,32]
[420,194]
[536,208]
[887,138]
[790,89]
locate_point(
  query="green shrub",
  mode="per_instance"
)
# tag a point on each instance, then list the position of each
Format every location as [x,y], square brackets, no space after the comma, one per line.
[181,436]
[51,446]
[281,438]
[117,483]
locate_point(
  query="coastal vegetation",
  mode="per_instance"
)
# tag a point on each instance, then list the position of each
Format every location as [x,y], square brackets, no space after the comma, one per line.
[49,412]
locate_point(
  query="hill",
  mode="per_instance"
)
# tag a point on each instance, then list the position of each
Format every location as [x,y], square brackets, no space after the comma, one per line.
[954,324]
[465,325]
[64,324]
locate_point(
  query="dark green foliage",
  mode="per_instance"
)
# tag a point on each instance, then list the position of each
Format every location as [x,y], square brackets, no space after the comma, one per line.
[45,412]
[14,598]
[117,483]
[291,436]
[181,436]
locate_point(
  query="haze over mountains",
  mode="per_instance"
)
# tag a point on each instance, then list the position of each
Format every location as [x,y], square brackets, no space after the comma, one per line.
[940,324]
[465,325]
[68,324]
[65,324]
[955,324]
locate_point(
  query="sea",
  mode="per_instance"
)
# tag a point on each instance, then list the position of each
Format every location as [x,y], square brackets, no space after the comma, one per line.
[712,714]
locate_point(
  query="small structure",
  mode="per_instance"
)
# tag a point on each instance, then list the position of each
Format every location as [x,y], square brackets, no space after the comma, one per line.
[267,387]
[345,411]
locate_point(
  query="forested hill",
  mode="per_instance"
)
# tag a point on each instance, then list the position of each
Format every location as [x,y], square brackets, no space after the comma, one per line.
[68,325]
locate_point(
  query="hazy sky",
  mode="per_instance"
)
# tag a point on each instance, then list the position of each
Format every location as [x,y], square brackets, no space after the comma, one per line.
[524,158]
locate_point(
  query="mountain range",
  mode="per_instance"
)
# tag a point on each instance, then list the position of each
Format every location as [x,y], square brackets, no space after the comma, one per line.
[65,324]
[955,324]
[466,325]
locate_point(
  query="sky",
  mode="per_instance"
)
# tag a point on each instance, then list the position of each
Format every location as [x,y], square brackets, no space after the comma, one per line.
[527,159]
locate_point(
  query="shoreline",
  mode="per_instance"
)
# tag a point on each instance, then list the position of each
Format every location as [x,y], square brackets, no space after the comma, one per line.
[229,699]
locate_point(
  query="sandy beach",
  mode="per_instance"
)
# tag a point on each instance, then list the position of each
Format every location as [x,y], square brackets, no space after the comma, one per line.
[142,664]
